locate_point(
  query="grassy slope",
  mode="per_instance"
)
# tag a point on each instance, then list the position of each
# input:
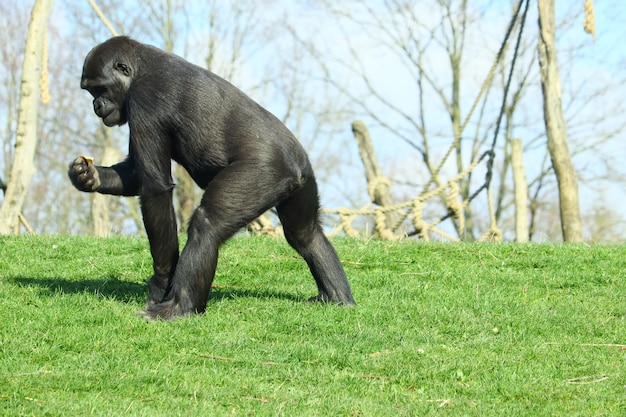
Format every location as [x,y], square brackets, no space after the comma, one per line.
[468,329]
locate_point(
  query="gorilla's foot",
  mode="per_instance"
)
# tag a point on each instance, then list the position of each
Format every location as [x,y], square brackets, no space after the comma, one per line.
[324,298]
[167,310]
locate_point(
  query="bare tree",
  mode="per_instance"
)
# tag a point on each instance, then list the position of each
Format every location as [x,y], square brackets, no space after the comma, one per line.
[571,222]
[439,45]
[100,203]
[408,69]
[14,20]
[23,167]
[410,36]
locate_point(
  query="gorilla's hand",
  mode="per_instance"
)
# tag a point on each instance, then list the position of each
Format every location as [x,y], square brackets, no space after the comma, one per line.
[158,286]
[84,174]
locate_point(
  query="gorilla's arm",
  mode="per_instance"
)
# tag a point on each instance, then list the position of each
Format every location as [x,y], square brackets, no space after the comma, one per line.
[119,179]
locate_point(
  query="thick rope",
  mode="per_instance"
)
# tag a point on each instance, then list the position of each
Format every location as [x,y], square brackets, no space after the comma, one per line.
[347,216]
[590,19]
[483,89]
[456,208]
[402,206]
[421,226]
[375,183]
[381,227]
[494,234]
[416,207]
[346,222]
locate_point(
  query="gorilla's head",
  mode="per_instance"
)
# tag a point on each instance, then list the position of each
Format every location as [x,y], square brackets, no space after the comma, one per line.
[107,74]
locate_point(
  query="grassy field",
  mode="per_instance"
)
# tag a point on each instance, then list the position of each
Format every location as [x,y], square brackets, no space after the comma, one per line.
[440,329]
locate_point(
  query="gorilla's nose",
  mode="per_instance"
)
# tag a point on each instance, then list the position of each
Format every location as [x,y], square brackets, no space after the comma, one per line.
[97,106]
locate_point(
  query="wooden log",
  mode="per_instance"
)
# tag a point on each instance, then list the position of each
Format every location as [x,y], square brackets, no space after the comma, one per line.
[379,187]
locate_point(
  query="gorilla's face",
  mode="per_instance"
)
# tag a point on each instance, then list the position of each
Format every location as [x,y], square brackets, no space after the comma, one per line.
[107,75]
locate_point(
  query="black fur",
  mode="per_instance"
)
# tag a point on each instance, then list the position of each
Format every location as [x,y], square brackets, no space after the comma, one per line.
[244,158]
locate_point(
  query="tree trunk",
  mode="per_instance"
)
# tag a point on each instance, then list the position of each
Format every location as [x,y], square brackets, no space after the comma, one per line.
[378,186]
[100,202]
[23,167]
[184,190]
[571,223]
[521,191]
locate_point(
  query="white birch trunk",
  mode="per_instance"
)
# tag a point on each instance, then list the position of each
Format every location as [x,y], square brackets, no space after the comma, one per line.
[23,167]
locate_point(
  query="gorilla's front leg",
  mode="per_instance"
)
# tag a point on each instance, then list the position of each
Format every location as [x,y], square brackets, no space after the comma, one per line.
[191,284]
[160,223]
[221,213]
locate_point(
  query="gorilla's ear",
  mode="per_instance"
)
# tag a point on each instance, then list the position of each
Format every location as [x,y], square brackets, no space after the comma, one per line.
[123,68]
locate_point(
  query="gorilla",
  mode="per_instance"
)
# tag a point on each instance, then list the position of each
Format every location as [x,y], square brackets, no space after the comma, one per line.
[242,156]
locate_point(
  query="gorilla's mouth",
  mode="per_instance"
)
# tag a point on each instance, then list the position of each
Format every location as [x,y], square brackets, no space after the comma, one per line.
[111,119]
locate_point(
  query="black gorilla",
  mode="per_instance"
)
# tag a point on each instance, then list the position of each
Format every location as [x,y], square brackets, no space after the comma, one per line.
[243,157]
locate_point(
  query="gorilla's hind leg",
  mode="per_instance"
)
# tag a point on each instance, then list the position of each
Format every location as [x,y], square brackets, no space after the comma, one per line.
[299,217]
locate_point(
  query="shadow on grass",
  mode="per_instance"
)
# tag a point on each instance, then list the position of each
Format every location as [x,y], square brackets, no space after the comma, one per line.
[219,293]
[110,287]
[132,292]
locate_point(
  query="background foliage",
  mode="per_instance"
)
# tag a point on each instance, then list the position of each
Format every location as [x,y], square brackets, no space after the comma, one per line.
[320,65]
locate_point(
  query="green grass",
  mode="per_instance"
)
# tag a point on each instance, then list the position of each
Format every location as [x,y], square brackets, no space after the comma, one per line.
[440,329]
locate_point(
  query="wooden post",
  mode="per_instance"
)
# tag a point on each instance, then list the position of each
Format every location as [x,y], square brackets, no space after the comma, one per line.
[521,191]
[379,187]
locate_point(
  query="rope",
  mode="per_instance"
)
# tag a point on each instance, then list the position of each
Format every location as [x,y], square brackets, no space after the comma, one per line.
[508,81]
[493,234]
[381,227]
[347,216]
[483,89]
[385,209]
[491,152]
[590,19]
[455,208]
[375,183]
[346,222]
[419,223]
